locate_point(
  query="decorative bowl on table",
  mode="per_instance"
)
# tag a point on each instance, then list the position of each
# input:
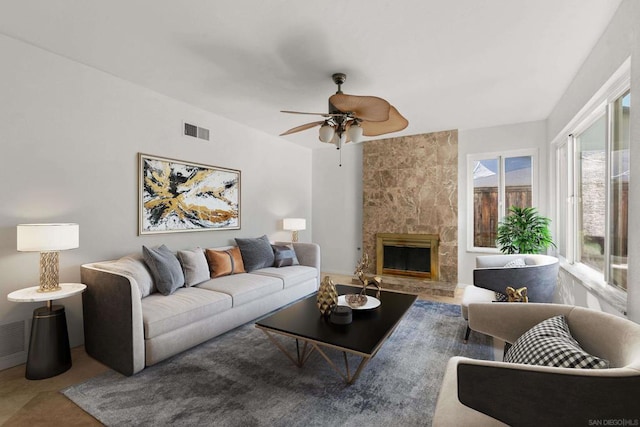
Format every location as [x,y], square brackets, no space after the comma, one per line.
[355,300]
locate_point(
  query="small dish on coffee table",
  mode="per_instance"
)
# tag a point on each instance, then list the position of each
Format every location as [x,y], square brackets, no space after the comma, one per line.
[370,303]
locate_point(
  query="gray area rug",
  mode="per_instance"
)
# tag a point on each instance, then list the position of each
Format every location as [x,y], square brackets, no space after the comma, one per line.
[242,379]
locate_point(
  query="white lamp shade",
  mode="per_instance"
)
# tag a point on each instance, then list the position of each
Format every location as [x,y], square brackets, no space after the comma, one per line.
[326,132]
[355,133]
[47,237]
[294,224]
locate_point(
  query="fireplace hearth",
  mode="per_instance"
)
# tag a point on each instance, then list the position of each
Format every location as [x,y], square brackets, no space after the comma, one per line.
[411,255]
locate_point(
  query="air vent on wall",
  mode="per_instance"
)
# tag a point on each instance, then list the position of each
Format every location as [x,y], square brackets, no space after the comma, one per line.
[12,338]
[196,131]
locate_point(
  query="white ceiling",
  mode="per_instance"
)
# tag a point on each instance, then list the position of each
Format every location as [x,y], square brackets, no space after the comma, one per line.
[444,64]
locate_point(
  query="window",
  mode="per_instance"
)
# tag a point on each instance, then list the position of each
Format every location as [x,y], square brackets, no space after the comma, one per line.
[619,191]
[497,182]
[592,204]
[593,172]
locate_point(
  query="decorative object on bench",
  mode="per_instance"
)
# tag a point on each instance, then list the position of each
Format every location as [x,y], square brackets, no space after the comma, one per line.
[473,392]
[539,275]
[181,196]
[517,295]
[367,280]
[327,298]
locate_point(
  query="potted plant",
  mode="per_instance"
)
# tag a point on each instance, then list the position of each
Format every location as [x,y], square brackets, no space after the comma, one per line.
[524,231]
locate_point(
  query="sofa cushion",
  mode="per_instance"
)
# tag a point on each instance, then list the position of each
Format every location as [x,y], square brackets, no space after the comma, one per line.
[244,287]
[224,263]
[161,314]
[194,266]
[134,266]
[165,268]
[549,343]
[284,256]
[256,252]
[291,276]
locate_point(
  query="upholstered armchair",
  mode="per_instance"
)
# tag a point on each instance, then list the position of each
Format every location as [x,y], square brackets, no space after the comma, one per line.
[488,393]
[539,275]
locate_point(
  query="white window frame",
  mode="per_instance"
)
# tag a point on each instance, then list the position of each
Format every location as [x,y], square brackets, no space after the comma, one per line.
[501,156]
[601,103]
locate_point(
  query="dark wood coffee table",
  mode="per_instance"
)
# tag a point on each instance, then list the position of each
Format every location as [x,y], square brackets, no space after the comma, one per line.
[363,337]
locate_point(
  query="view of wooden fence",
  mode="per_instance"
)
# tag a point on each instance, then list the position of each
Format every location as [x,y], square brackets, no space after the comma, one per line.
[486,215]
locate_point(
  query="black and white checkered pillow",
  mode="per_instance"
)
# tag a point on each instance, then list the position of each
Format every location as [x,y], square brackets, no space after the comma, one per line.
[500,297]
[550,343]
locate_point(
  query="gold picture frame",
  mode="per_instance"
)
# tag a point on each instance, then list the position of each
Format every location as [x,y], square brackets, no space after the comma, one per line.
[179,196]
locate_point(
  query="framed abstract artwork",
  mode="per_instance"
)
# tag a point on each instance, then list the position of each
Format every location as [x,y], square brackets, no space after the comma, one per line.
[178,196]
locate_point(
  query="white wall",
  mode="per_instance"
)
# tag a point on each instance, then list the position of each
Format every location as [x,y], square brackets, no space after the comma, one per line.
[620,40]
[337,207]
[488,140]
[70,135]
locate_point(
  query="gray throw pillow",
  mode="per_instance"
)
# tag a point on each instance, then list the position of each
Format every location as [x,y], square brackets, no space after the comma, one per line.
[284,256]
[194,266]
[165,269]
[256,253]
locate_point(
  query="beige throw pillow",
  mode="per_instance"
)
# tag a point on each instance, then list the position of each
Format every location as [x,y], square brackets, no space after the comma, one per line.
[194,265]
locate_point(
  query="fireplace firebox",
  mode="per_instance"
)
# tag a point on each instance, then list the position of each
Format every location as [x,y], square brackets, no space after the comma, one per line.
[413,255]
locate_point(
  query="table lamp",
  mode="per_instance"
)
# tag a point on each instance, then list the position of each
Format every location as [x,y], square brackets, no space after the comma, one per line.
[294,225]
[48,239]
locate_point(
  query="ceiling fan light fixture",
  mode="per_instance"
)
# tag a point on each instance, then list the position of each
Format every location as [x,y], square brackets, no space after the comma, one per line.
[355,132]
[326,132]
[351,117]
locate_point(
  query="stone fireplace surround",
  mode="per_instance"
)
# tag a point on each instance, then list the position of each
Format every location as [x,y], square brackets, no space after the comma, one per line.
[410,186]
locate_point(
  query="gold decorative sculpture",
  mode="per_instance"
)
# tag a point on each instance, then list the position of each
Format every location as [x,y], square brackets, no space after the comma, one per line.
[517,295]
[327,298]
[367,281]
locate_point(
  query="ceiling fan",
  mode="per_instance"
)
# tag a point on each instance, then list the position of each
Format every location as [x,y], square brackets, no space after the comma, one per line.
[351,117]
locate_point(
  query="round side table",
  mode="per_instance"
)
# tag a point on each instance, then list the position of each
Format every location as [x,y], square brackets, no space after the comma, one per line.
[49,352]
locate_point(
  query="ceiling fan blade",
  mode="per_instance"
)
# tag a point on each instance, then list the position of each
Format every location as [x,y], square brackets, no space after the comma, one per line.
[369,108]
[302,127]
[395,123]
[313,114]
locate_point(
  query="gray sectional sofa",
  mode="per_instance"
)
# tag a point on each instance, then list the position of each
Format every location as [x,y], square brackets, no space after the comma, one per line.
[128,330]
